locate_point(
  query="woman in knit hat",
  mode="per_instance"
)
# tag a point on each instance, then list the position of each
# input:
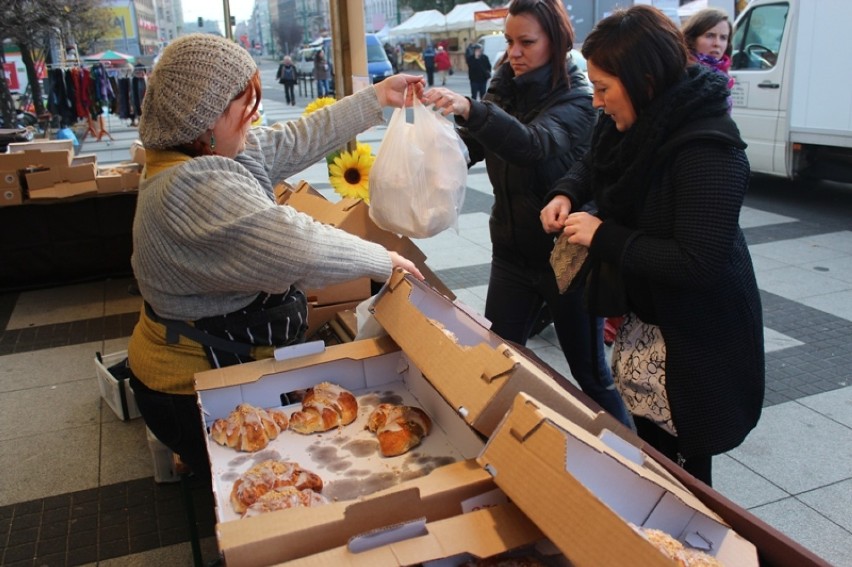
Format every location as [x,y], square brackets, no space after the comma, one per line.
[220,265]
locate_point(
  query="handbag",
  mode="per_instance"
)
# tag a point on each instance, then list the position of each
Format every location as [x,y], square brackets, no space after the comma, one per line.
[418,181]
[571,264]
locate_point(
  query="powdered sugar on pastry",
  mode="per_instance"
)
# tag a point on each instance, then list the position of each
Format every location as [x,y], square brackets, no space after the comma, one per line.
[324,407]
[249,428]
[270,475]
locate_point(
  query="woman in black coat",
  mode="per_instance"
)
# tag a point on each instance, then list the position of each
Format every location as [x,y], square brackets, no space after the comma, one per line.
[668,172]
[533,123]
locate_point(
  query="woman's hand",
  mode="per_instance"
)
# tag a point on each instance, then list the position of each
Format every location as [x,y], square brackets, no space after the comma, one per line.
[448,102]
[404,263]
[391,91]
[581,228]
[554,214]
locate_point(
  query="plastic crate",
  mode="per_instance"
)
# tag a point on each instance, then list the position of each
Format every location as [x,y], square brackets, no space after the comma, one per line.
[116,392]
[164,460]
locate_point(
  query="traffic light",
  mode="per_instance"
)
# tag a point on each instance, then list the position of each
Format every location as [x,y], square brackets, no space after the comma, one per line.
[233,21]
[200,22]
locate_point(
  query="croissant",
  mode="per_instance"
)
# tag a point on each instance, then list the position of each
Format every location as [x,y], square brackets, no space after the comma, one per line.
[267,476]
[398,428]
[283,498]
[324,407]
[249,428]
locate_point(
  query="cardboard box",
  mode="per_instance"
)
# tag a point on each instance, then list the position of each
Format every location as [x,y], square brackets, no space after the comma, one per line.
[10,189]
[353,216]
[28,158]
[322,535]
[458,540]
[63,190]
[42,146]
[119,178]
[346,292]
[590,484]
[10,196]
[116,392]
[445,338]
[453,346]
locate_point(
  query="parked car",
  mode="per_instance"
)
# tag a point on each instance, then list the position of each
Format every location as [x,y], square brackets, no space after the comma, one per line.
[303,59]
[378,65]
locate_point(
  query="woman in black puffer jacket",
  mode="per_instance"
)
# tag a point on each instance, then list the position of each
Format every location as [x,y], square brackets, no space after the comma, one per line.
[535,120]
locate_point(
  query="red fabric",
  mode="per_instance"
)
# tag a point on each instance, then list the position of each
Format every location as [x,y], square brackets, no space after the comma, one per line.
[442,60]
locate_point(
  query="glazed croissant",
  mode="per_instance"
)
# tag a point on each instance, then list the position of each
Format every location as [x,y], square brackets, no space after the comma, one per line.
[268,476]
[249,428]
[398,428]
[324,407]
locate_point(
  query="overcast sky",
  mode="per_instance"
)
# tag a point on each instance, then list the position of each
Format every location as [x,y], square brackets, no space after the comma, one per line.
[214,9]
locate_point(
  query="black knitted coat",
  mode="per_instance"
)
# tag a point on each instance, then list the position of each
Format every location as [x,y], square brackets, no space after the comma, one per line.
[670,249]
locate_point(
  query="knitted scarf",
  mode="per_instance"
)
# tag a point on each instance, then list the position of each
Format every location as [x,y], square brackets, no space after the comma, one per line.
[623,163]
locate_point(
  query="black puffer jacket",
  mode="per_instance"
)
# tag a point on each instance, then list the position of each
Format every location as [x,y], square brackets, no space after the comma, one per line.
[529,136]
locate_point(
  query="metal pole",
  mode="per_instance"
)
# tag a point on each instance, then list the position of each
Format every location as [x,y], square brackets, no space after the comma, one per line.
[229,33]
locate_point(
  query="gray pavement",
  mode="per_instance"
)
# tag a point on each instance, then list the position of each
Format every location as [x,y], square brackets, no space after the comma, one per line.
[795,470]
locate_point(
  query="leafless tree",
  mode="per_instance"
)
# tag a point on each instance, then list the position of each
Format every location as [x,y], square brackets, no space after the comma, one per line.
[29,25]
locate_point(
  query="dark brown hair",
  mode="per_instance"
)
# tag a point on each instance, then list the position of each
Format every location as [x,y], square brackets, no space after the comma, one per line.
[642,47]
[701,21]
[553,19]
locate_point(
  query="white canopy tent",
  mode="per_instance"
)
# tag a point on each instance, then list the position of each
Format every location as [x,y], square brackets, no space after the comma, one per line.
[690,8]
[462,17]
[427,21]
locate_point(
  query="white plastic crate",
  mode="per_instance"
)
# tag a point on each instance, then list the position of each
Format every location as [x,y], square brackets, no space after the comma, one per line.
[117,393]
[164,459]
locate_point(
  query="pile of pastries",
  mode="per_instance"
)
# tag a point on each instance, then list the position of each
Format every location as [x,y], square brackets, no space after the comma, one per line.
[274,484]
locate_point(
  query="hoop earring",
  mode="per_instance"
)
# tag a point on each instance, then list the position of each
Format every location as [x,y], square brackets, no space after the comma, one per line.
[212,144]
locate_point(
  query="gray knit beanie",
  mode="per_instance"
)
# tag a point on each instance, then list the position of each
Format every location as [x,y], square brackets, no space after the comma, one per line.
[197,76]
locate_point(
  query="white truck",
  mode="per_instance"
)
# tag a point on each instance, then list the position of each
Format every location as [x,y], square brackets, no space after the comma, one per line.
[792,96]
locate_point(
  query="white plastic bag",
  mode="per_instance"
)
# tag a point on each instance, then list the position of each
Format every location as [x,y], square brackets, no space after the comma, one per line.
[418,180]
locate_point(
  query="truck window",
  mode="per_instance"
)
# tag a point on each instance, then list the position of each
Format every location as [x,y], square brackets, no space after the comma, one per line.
[758,36]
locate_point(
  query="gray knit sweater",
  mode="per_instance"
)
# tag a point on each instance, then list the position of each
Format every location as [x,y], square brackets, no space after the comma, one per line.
[208,236]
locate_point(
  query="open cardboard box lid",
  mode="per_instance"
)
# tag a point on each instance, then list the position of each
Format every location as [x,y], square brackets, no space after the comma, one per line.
[472,368]
[582,489]
[353,216]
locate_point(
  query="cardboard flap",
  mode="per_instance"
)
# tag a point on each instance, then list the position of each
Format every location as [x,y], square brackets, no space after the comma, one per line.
[552,469]
[365,512]
[468,376]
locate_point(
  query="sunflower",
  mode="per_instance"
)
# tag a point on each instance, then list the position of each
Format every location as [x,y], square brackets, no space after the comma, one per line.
[318,103]
[350,173]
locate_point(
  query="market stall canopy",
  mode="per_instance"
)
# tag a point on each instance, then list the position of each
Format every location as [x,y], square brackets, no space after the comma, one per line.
[427,21]
[462,17]
[690,8]
[110,56]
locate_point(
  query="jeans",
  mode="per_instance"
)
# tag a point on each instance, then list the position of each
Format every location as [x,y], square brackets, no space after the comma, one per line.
[290,93]
[322,87]
[477,89]
[516,293]
[176,421]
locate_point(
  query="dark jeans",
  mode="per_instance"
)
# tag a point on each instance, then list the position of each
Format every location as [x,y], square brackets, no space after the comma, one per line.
[477,89]
[516,293]
[430,75]
[290,93]
[176,421]
[699,466]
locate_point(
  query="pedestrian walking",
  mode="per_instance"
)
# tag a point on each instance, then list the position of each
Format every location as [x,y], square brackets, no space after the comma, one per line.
[287,76]
[429,63]
[321,73]
[478,72]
